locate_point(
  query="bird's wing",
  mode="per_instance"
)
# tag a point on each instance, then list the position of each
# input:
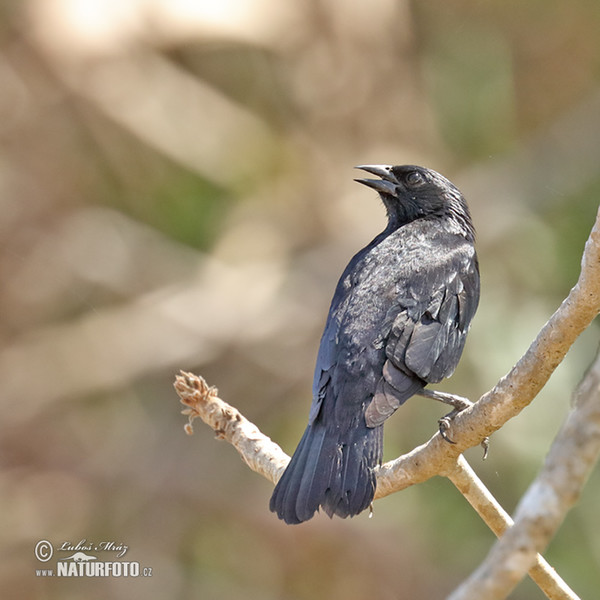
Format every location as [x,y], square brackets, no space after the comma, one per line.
[427,332]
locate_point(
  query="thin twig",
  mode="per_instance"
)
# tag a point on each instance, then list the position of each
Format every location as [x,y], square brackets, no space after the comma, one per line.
[258,451]
[498,520]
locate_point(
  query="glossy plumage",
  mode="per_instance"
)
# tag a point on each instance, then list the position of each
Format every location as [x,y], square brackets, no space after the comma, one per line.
[398,321]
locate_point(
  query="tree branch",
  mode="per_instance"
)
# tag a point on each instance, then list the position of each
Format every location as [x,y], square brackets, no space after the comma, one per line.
[264,456]
[437,457]
[498,520]
[514,391]
[259,452]
[542,509]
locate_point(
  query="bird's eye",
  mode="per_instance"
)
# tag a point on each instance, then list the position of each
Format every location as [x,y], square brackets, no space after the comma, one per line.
[415,178]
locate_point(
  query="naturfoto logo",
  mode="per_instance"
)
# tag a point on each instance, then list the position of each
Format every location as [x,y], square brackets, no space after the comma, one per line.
[84,559]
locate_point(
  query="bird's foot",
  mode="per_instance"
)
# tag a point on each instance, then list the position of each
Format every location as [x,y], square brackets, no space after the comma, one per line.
[459,404]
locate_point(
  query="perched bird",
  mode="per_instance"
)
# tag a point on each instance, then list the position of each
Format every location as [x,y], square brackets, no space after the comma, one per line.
[398,321]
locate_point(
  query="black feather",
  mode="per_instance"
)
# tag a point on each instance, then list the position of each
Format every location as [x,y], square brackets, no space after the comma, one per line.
[398,320]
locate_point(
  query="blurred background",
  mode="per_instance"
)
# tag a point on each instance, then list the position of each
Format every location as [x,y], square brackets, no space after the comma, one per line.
[176,193]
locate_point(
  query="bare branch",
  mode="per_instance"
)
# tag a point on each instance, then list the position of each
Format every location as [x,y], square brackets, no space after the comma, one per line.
[542,509]
[514,391]
[498,520]
[259,452]
[264,456]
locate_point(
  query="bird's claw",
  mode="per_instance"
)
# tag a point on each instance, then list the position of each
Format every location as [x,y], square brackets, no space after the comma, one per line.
[459,404]
[444,425]
[485,444]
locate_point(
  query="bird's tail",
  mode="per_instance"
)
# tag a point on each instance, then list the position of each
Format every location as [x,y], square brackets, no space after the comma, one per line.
[331,469]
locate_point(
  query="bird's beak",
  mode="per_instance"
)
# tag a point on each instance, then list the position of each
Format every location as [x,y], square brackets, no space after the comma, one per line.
[388,182]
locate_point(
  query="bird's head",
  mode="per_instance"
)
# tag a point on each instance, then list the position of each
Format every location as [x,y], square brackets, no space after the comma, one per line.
[410,192]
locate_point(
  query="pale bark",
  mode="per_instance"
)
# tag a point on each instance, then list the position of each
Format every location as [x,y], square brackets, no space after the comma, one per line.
[542,508]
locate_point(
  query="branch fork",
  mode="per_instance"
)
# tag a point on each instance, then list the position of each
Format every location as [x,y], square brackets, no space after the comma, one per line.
[506,565]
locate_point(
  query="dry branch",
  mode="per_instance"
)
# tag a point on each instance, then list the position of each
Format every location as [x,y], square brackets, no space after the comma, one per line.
[264,456]
[557,487]
[512,393]
[259,452]
[498,520]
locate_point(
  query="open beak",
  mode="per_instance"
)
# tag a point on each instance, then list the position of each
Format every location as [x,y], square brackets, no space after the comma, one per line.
[388,182]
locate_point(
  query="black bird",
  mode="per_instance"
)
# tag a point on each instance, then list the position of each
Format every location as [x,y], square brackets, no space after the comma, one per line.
[398,321]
